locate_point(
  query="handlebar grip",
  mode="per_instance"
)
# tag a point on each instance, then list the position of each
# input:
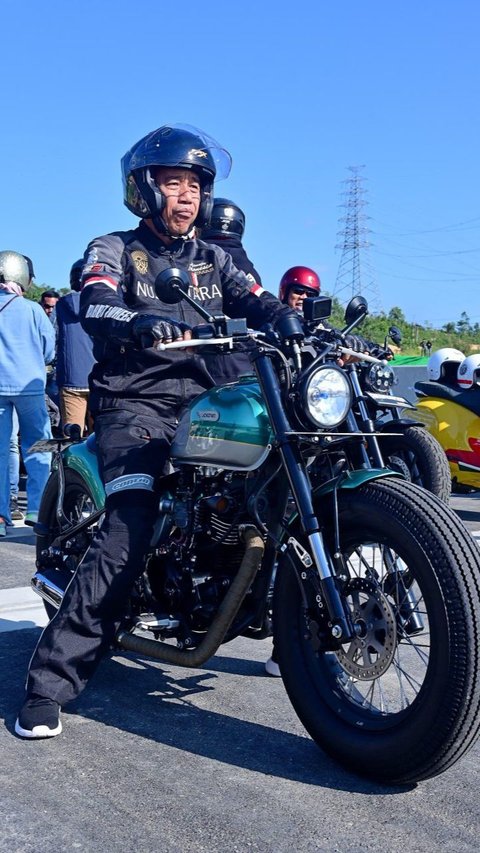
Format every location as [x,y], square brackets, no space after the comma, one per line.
[72,431]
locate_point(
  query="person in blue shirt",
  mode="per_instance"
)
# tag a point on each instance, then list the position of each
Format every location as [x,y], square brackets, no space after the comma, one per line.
[27,344]
[74,355]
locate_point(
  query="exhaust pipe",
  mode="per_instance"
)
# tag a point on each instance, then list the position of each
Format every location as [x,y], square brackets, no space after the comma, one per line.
[47,589]
[226,613]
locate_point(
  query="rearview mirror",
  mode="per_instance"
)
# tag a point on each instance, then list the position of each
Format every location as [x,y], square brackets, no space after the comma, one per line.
[356,308]
[167,283]
[395,335]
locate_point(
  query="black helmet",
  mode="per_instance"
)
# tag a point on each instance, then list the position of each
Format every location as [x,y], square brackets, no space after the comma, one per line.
[227,220]
[76,275]
[178,145]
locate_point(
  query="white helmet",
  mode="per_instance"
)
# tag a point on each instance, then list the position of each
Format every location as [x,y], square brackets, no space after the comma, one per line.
[440,358]
[468,373]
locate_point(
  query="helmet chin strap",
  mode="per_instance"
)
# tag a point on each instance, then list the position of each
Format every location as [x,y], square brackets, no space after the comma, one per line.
[162,229]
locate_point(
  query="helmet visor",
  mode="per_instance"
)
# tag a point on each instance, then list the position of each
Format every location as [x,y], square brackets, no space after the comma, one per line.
[180,145]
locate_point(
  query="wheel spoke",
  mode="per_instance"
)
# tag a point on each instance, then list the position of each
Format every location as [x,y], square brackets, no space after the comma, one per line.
[382,670]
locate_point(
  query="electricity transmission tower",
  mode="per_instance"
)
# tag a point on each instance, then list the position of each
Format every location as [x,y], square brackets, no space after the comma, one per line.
[355,273]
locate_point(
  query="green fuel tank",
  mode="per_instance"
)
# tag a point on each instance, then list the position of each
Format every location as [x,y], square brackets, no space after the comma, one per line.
[227,427]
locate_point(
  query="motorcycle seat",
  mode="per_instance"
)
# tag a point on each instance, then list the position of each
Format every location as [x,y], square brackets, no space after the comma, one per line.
[468,399]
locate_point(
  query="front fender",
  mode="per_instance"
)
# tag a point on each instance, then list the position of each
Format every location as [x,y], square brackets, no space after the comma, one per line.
[354,479]
[399,425]
[349,480]
[82,458]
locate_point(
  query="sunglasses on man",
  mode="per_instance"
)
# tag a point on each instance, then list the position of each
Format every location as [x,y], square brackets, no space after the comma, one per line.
[302,291]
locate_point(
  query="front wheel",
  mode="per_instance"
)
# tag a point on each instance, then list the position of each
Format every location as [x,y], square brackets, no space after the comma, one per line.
[419,455]
[400,702]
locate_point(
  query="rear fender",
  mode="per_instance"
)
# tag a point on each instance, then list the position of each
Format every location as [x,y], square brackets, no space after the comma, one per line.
[82,458]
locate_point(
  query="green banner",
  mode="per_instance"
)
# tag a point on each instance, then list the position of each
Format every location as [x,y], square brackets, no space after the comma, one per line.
[410,360]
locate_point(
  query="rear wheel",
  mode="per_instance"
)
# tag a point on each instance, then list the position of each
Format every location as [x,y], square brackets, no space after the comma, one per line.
[424,458]
[78,504]
[400,702]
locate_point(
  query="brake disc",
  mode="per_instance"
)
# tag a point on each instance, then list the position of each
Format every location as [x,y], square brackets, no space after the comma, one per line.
[370,653]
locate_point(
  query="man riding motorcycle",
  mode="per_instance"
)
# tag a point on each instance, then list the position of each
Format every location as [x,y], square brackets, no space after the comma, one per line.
[138,391]
[300,282]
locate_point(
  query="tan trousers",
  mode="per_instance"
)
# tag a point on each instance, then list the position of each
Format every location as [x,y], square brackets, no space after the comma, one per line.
[74,408]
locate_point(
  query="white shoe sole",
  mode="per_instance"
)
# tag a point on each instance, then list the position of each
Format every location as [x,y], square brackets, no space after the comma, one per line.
[38,731]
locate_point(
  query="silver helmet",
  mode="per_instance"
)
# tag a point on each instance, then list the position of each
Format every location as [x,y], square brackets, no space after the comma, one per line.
[14,267]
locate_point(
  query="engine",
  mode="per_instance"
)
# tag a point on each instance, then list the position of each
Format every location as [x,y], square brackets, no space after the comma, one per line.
[198,552]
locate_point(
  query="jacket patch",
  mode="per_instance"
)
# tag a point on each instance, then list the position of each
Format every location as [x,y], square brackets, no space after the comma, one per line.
[202,292]
[144,289]
[140,259]
[200,267]
[110,311]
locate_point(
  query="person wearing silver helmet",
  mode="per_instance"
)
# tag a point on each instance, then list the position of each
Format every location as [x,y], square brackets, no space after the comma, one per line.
[136,391]
[27,343]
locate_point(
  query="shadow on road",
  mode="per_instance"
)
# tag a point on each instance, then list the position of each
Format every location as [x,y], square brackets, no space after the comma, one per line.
[154,701]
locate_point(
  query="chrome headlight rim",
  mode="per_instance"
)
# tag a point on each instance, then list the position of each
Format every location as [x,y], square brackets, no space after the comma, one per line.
[380,378]
[326,374]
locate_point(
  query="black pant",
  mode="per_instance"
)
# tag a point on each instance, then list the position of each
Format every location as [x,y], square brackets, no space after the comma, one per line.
[72,645]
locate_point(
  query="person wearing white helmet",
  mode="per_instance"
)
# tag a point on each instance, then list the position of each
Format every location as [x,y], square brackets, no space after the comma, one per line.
[443,364]
[468,373]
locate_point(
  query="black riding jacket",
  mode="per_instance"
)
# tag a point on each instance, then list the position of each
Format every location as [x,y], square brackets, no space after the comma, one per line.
[234,246]
[119,283]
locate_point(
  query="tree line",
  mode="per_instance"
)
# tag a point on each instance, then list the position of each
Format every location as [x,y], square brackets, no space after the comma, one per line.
[461,334]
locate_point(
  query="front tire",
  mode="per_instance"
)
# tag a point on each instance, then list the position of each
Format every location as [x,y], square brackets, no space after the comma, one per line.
[401,702]
[424,458]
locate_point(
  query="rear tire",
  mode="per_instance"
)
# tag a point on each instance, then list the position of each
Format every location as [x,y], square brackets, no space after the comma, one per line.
[78,502]
[402,704]
[424,457]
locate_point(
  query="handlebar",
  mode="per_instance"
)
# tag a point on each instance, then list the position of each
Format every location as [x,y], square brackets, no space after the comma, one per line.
[361,356]
[228,342]
[195,342]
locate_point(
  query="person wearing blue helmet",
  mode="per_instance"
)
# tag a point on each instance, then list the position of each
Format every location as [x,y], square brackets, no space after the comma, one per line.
[136,391]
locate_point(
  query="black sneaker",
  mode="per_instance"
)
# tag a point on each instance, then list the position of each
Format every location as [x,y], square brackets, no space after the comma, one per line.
[15,511]
[39,717]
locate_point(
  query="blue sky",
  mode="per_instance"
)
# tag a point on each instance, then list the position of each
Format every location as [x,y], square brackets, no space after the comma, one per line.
[297,92]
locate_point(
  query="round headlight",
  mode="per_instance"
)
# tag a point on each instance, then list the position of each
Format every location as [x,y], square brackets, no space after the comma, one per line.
[327,396]
[381,377]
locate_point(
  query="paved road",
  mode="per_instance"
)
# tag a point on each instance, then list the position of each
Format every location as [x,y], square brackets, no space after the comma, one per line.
[159,758]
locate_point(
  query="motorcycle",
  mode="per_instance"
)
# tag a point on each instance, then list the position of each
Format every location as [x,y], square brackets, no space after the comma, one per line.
[377,586]
[452,417]
[398,440]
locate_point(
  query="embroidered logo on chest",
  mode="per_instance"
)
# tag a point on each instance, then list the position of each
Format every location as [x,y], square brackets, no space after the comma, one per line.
[140,259]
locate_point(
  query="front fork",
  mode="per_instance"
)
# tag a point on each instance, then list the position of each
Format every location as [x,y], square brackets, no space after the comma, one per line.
[340,622]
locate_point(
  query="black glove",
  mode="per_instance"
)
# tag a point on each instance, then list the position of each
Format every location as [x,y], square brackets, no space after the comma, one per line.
[380,352]
[147,329]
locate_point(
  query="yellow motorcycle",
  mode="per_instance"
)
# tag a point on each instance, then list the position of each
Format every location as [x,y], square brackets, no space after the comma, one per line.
[448,403]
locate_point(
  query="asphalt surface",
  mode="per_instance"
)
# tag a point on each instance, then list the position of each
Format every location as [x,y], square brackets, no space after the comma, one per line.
[154,757]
